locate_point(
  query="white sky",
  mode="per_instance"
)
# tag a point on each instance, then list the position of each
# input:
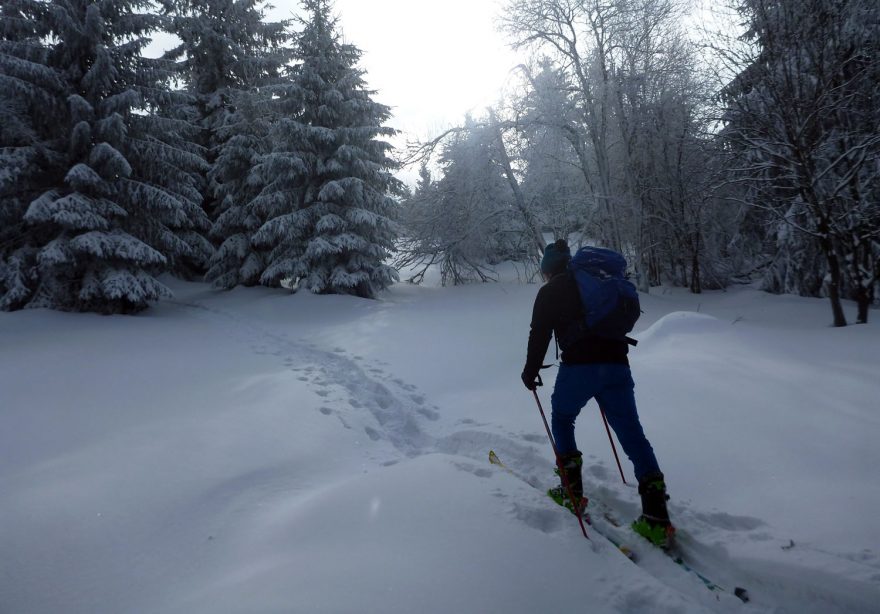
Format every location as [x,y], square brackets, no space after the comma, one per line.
[431,61]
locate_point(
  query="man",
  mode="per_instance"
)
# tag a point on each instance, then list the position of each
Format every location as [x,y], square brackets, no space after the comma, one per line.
[591,367]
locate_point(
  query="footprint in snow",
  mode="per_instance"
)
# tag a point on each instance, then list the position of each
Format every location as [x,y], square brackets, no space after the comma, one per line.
[480,472]
[599,471]
[430,414]
[544,519]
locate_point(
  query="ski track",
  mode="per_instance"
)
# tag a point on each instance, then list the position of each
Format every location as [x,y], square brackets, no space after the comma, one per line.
[400,415]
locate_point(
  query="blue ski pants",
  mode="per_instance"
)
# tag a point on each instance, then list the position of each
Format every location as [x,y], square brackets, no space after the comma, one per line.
[613,388]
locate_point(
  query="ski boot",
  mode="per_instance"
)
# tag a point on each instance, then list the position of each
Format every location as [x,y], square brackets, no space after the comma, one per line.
[654,524]
[571,464]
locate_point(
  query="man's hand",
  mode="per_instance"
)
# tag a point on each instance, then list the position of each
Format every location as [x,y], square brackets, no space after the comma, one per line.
[531,380]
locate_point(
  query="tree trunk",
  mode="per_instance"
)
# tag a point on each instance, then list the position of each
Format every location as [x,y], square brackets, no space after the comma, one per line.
[863,300]
[696,287]
[528,219]
[834,282]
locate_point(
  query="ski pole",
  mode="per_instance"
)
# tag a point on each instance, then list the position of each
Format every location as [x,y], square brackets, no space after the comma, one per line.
[562,474]
[611,439]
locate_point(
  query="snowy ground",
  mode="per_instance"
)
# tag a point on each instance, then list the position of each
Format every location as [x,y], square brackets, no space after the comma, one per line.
[256,451]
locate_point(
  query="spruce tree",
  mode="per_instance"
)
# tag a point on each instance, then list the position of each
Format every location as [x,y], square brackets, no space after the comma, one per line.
[27,111]
[227,57]
[113,198]
[244,136]
[328,180]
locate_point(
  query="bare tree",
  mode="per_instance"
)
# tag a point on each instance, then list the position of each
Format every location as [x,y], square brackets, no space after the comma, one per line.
[631,106]
[581,36]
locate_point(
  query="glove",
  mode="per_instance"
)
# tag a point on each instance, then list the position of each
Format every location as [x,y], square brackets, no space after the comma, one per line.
[532,381]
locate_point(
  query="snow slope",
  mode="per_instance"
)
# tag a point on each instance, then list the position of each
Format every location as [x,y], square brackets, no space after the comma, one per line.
[256,451]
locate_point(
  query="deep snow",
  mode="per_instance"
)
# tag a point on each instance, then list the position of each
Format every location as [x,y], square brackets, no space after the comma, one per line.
[257,451]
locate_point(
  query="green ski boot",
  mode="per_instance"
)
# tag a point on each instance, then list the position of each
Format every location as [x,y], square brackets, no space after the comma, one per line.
[571,464]
[654,524]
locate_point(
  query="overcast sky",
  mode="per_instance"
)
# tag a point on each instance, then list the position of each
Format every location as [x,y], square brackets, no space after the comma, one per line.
[431,60]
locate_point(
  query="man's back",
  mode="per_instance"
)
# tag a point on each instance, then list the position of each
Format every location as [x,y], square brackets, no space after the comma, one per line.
[557,308]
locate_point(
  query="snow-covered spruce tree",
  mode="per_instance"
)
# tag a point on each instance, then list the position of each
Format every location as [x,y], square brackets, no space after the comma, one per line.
[245,137]
[227,57]
[27,111]
[115,201]
[328,180]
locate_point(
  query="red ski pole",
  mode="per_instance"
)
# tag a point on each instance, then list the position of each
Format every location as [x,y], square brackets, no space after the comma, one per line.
[611,439]
[562,474]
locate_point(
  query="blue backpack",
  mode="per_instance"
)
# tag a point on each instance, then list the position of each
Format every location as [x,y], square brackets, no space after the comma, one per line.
[610,301]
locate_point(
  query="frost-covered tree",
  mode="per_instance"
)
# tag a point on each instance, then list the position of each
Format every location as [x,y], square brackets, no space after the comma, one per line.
[226,47]
[245,137]
[553,181]
[229,59]
[328,180]
[797,265]
[467,220]
[617,83]
[115,199]
[581,37]
[416,252]
[227,53]
[803,122]
[27,111]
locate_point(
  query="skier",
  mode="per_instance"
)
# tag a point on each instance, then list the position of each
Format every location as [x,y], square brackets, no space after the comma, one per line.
[591,367]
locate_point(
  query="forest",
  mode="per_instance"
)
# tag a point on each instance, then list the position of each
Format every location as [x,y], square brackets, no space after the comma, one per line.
[253,152]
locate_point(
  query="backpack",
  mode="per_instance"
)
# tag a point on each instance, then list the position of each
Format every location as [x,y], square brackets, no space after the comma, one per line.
[610,301]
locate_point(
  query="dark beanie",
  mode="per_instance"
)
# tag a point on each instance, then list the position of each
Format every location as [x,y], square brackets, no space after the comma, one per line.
[556,257]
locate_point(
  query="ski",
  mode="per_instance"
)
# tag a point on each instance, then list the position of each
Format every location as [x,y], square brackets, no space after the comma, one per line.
[673,552]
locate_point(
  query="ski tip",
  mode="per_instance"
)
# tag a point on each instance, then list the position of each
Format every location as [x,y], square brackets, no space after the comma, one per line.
[627,553]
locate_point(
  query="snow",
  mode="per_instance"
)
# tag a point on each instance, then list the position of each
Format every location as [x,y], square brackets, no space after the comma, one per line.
[257,451]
